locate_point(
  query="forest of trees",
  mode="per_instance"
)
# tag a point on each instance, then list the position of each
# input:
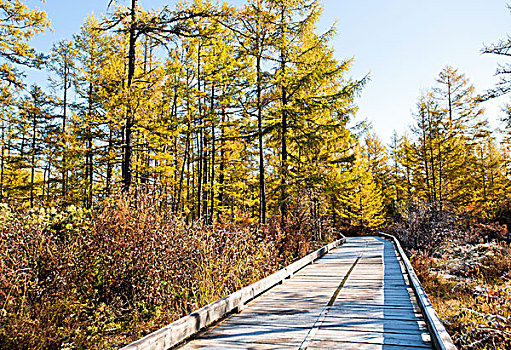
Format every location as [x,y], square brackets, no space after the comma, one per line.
[214,111]
[452,156]
[218,111]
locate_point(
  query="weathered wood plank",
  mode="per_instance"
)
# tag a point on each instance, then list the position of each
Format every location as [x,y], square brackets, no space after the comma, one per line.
[439,335]
[328,344]
[372,337]
[373,308]
[176,332]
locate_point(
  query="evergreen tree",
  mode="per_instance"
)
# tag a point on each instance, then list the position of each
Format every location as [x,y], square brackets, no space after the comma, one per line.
[361,200]
[34,158]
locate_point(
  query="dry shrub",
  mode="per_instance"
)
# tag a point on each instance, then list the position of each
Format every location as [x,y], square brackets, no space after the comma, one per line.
[477,316]
[486,232]
[426,268]
[423,265]
[429,227]
[306,228]
[483,321]
[102,278]
[465,287]
[488,262]
[463,265]
[425,227]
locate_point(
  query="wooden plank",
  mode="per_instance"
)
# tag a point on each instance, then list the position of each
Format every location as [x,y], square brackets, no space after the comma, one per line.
[214,345]
[348,305]
[440,337]
[271,308]
[379,325]
[328,344]
[363,313]
[418,318]
[345,335]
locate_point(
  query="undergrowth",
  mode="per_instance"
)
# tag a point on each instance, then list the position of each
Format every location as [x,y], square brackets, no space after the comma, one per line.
[102,278]
[464,265]
[476,311]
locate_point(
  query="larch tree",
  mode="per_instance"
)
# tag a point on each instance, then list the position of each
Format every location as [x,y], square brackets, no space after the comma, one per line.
[93,47]
[162,26]
[18,24]
[361,200]
[378,160]
[34,109]
[308,82]
[62,65]
[257,20]
[461,126]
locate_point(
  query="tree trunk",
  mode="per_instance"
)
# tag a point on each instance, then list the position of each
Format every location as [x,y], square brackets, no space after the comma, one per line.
[185,162]
[128,129]
[432,161]
[221,177]
[90,155]
[109,163]
[201,141]
[284,165]
[262,189]
[213,155]
[64,133]
[32,165]
[2,165]
[426,163]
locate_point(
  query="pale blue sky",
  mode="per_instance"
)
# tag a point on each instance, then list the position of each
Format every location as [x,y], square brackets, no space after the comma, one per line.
[402,43]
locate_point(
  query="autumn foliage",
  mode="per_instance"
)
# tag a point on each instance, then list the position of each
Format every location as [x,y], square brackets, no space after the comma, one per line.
[104,277]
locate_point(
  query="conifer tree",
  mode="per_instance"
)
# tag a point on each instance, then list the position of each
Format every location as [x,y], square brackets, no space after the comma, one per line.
[378,161]
[62,64]
[35,114]
[361,200]
[18,24]
[308,81]
[257,24]
[93,54]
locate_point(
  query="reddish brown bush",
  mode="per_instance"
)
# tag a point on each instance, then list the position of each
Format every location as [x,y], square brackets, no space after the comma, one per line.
[424,227]
[102,278]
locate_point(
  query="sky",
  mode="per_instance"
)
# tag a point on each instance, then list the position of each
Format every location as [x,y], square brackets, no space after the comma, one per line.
[401,44]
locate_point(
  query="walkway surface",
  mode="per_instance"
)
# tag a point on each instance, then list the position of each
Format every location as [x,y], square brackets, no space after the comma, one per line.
[355,297]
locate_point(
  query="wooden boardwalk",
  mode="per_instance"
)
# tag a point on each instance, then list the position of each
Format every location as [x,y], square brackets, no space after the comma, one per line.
[356,297]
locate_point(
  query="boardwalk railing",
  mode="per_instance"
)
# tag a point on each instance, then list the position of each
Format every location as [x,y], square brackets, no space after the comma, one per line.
[176,332]
[439,335]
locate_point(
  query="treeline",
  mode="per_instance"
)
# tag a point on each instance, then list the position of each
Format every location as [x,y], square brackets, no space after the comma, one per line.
[218,111]
[452,156]
[212,110]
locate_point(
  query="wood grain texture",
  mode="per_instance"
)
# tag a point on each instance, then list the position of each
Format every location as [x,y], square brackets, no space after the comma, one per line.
[440,337]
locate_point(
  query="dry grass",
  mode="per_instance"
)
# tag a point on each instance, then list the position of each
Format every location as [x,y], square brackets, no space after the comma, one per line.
[474,302]
[464,264]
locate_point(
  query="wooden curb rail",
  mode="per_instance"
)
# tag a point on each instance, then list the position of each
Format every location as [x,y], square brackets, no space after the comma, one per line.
[174,333]
[441,339]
